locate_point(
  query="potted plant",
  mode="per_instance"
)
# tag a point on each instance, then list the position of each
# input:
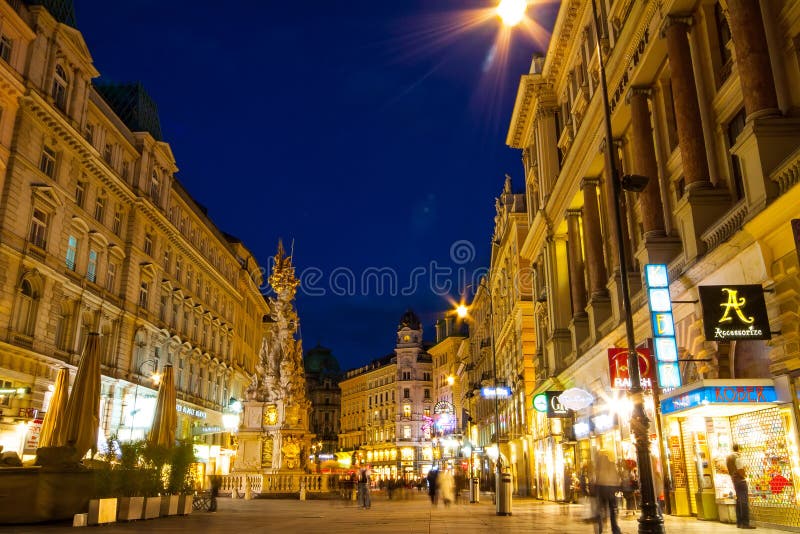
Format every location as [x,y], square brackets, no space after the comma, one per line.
[103,507]
[130,480]
[155,458]
[181,479]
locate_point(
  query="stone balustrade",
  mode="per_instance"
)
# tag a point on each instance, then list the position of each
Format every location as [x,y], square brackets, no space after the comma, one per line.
[236,484]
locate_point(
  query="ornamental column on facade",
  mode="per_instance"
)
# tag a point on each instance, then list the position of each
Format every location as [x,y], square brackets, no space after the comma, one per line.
[598,307]
[579,325]
[656,247]
[701,204]
[768,138]
[558,344]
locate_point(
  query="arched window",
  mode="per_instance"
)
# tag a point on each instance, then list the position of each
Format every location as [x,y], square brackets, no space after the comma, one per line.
[28,303]
[60,84]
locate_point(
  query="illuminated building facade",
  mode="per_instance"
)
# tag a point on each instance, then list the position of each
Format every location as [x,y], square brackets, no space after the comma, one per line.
[447,412]
[98,235]
[704,97]
[322,383]
[387,408]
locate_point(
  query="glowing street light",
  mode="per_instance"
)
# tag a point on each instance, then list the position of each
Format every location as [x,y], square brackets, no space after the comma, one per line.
[461,311]
[511,12]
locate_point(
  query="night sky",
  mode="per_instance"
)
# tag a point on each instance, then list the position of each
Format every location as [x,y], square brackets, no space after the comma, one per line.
[367,133]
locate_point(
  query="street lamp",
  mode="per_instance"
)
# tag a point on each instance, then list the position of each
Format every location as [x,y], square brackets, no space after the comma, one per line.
[650,521]
[156,377]
[511,12]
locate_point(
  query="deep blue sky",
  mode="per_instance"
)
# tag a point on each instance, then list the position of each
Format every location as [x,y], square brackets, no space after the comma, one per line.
[349,127]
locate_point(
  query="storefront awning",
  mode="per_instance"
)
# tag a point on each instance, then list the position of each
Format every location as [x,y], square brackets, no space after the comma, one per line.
[720,398]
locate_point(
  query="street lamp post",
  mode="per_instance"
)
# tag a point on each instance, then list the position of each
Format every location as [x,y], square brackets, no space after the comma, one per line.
[651,520]
[156,379]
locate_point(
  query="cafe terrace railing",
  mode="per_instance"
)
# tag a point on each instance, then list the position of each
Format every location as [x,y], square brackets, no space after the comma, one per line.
[236,484]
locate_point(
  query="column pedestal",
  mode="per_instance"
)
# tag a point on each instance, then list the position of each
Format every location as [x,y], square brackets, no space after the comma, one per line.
[615,290]
[761,147]
[695,213]
[579,330]
[658,250]
[599,311]
[559,347]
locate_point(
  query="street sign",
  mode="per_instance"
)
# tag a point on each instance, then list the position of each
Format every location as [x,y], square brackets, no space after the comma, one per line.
[495,392]
[734,312]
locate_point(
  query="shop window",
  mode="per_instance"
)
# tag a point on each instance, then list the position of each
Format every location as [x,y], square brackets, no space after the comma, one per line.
[5,400]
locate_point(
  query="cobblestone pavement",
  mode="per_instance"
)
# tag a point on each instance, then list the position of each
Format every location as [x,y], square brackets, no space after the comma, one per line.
[410,516]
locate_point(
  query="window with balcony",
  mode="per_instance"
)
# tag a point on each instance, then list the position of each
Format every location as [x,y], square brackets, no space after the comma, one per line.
[38,234]
[47,163]
[91,266]
[72,252]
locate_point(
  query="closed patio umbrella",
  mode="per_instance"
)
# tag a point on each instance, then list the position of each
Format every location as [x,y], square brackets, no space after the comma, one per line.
[82,417]
[56,410]
[166,418]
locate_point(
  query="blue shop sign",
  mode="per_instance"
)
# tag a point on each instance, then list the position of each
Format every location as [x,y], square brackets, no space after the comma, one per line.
[719,395]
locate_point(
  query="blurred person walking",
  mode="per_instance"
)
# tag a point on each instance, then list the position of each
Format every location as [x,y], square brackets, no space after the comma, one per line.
[607,484]
[364,475]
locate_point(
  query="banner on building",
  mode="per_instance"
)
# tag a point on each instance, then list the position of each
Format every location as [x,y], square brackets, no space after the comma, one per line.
[619,372]
[733,312]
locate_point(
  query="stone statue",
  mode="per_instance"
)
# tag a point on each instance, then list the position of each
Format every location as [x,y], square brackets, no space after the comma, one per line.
[290,451]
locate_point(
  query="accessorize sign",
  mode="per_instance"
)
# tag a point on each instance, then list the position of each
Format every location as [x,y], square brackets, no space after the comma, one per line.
[734,312]
[619,372]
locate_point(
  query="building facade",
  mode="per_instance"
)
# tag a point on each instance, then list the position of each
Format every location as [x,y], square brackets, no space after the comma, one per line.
[387,408]
[704,98]
[98,235]
[448,406]
[322,382]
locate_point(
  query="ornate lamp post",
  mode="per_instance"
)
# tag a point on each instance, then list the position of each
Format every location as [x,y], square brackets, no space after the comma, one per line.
[650,521]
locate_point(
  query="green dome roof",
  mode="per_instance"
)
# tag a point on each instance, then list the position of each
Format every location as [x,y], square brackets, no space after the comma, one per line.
[321,360]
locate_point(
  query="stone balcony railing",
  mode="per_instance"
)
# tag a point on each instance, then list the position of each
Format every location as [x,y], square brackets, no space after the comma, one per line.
[787,174]
[236,484]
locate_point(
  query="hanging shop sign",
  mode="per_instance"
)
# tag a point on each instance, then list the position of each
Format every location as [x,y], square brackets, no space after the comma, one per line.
[734,312]
[576,399]
[495,392]
[540,403]
[656,279]
[706,395]
[619,372]
[554,407]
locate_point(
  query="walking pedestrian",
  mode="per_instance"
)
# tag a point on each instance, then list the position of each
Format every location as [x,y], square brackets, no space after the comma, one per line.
[433,474]
[739,479]
[445,486]
[607,484]
[364,475]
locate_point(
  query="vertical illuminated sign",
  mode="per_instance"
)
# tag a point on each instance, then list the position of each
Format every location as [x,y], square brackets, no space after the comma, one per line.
[664,343]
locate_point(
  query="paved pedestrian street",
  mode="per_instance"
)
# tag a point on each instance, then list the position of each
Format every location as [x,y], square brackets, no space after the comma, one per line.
[410,516]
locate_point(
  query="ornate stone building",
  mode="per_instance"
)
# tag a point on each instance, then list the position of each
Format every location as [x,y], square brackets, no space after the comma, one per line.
[387,408]
[97,234]
[448,404]
[322,382]
[704,98]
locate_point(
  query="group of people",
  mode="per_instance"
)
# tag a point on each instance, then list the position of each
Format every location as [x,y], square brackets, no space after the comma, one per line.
[441,486]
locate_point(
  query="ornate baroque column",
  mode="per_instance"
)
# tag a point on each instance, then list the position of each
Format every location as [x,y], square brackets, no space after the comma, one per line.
[687,109]
[752,58]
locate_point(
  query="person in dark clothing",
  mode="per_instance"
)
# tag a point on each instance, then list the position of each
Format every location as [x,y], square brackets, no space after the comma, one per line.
[433,475]
[607,484]
[736,471]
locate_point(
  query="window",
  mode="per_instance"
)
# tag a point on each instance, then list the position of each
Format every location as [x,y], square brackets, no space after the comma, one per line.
[59,92]
[406,393]
[116,226]
[72,252]
[426,377]
[100,208]
[735,127]
[111,276]
[143,290]
[62,321]
[126,172]
[6,45]
[406,410]
[148,244]
[80,193]
[723,40]
[406,432]
[155,187]
[88,132]
[108,152]
[38,235]
[427,394]
[91,268]
[179,269]
[406,375]
[26,320]
[162,312]
[47,164]
[167,254]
